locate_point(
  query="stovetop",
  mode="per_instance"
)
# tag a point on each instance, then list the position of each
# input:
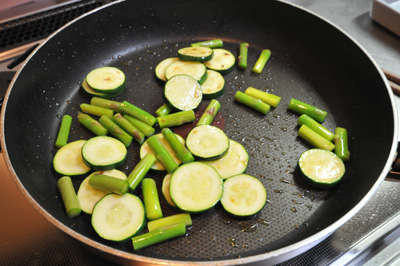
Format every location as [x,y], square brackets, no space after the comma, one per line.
[371,237]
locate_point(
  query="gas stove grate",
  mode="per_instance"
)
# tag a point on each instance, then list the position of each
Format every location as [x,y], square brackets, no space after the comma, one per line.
[40,25]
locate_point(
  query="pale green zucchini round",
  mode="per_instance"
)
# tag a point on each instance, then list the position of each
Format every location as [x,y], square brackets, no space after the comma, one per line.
[200,54]
[182,92]
[192,68]
[69,161]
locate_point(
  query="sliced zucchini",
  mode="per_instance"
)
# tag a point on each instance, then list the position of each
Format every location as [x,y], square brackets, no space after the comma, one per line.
[94,93]
[162,66]
[200,54]
[104,153]
[207,142]
[321,168]
[192,68]
[106,79]
[118,218]
[214,85]
[165,190]
[183,92]
[244,195]
[223,61]
[234,161]
[195,187]
[88,196]
[69,161]
[145,149]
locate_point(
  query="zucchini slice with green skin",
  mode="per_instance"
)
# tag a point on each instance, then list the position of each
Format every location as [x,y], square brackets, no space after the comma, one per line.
[244,195]
[103,153]
[165,191]
[223,61]
[234,161]
[321,168]
[88,196]
[195,187]
[183,92]
[207,142]
[162,66]
[118,218]
[69,161]
[192,68]
[214,86]
[200,54]
[106,79]
[145,149]
[94,93]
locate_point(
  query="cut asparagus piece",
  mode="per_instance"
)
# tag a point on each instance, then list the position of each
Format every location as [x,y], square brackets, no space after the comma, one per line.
[217,43]
[140,170]
[124,123]
[315,139]
[243,55]
[252,102]
[92,124]
[151,199]
[68,195]
[162,154]
[261,61]
[110,183]
[211,111]
[183,154]
[63,133]
[314,125]
[341,143]
[176,119]
[268,98]
[116,131]
[304,108]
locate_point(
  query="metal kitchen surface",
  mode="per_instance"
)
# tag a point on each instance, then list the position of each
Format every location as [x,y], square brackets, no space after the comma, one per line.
[367,239]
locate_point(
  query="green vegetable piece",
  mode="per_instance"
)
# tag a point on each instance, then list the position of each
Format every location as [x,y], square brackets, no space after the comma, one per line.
[92,124]
[116,185]
[158,235]
[315,126]
[163,110]
[182,153]
[115,130]
[63,133]
[151,199]
[170,220]
[109,104]
[211,111]
[261,61]
[266,97]
[243,55]
[304,108]
[252,102]
[217,43]
[96,110]
[315,139]
[341,143]
[138,113]
[162,154]
[176,119]
[143,127]
[68,195]
[140,170]
[129,128]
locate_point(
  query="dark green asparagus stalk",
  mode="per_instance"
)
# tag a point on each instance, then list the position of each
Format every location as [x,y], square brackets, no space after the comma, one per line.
[217,43]
[63,132]
[211,111]
[163,110]
[266,97]
[138,113]
[109,183]
[315,126]
[140,170]
[158,235]
[115,130]
[143,127]
[151,199]
[69,197]
[261,61]
[92,124]
[109,104]
[315,139]
[162,154]
[304,108]
[96,110]
[176,119]
[243,55]
[341,144]
[129,128]
[252,102]
[170,220]
[183,154]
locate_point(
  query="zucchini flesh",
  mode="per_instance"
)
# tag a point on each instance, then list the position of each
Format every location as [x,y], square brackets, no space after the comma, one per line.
[118,218]
[200,54]
[69,161]
[104,153]
[162,66]
[214,85]
[165,190]
[88,196]
[244,195]
[192,68]
[233,162]
[183,92]
[94,93]
[207,142]
[321,168]
[223,61]
[106,79]
[195,187]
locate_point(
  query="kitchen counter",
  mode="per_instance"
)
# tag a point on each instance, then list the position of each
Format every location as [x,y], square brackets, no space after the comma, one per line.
[29,239]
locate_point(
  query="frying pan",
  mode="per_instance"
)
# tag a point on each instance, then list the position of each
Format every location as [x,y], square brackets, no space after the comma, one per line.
[312,61]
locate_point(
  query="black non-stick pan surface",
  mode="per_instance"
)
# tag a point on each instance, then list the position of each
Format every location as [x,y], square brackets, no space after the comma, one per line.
[312,61]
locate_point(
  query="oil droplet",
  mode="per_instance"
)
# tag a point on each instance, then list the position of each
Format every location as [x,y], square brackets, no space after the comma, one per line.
[293,209]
